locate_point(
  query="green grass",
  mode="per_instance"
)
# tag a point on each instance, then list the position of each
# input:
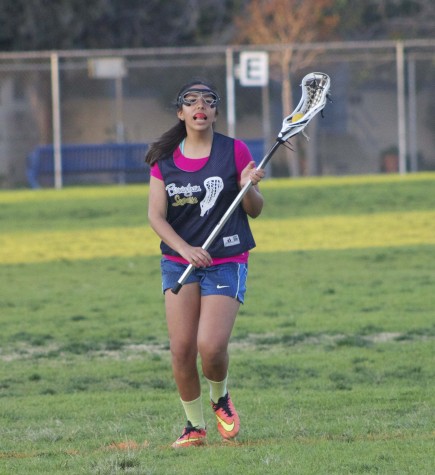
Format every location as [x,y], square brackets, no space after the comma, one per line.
[331,356]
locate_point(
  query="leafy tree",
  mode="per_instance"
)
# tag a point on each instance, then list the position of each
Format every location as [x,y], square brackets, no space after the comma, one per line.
[82,24]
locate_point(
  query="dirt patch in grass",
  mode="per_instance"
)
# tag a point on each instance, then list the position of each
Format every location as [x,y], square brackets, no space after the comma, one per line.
[128,351]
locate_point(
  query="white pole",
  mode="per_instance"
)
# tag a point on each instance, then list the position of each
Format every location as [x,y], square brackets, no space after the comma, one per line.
[55,97]
[267,131]
[412,105]
[231,96]
[400,62]
[120,132]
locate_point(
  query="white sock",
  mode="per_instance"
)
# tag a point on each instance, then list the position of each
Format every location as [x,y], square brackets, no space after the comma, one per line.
[218,389]
[194,414]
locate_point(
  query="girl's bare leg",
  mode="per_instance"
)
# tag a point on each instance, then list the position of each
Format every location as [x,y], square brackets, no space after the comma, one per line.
[218,314]
[182,316]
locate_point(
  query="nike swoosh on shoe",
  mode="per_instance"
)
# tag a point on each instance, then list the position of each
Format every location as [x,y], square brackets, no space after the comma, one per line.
[227,427]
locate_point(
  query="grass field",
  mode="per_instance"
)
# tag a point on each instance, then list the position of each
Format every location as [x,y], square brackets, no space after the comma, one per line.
[332,356]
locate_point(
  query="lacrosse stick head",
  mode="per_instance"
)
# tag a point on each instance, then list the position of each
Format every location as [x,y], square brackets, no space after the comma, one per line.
[315,94]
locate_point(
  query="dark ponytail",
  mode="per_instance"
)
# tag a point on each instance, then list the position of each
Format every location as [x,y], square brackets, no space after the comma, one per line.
[166,144]
[170,140]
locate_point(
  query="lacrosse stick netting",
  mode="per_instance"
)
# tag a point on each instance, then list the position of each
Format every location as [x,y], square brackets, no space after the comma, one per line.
[315,94]
[214,185]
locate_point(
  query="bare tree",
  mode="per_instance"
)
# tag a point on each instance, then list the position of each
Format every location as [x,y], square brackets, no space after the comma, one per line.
[287,22]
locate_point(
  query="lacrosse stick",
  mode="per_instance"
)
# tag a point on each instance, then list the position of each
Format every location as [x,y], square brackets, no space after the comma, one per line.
[315,93]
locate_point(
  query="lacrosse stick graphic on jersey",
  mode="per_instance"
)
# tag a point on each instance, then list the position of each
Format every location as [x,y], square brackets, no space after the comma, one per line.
[213,185]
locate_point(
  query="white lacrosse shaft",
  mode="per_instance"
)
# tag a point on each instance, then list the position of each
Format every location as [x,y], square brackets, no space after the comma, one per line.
[315,92]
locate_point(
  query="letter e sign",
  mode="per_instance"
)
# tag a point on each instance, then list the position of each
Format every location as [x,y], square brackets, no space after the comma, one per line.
[254,68]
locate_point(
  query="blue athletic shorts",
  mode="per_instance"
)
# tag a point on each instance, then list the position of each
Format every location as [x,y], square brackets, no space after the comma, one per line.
[223,279]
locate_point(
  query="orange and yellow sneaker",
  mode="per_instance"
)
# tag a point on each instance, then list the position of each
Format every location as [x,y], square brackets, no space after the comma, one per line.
[190,437]
[228,422]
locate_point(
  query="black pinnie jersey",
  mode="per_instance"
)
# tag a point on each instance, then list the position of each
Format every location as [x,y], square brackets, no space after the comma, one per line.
[198,200]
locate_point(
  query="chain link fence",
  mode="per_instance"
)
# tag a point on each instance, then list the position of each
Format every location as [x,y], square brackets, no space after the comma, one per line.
[80,117]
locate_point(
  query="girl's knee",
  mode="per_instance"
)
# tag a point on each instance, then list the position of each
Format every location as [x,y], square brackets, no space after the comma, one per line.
[213,354]
[183,355]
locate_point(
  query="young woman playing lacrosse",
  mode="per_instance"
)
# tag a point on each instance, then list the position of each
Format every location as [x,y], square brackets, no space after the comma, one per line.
[195,175]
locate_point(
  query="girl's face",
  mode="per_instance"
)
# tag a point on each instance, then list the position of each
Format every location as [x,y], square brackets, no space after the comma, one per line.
[198,109]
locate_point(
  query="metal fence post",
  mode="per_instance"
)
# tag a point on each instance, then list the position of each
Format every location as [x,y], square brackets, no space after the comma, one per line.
[55,99]
[412,116]
[231,97]
[401,117]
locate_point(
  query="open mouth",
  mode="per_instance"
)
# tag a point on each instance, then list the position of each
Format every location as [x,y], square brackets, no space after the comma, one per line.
[200,116]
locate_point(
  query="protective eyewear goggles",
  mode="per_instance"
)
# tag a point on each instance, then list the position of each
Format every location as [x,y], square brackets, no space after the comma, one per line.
[192,96]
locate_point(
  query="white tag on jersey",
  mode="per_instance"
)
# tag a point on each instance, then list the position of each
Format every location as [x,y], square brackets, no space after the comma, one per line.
[231,240]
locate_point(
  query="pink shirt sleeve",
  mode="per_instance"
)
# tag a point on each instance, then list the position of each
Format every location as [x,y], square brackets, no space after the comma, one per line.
[155,172]
[242,156]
